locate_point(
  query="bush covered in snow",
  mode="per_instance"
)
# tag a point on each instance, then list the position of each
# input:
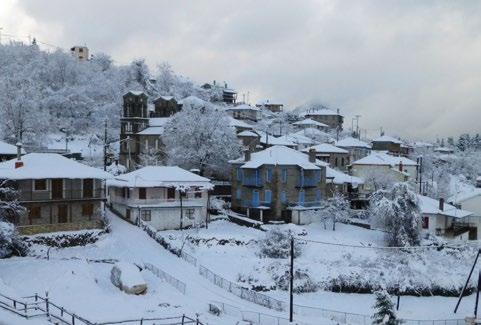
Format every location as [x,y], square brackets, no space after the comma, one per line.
[277,244]
[63,240]
[10,211]
[385,313]
[10,242]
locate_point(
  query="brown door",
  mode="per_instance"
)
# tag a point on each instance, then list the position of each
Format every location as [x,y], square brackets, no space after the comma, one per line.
[88,188]
[62,213]
[57,188]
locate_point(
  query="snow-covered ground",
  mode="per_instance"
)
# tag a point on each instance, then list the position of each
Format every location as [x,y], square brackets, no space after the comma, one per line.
[85,288]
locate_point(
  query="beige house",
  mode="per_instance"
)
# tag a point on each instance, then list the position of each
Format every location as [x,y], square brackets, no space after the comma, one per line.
[60,194]
[80,52]
[166,197]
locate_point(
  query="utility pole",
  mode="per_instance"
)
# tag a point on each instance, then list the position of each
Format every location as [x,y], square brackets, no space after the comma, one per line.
[207,215]
[181,211]
[357,126]
[291,283]
[420,168]
[105,145]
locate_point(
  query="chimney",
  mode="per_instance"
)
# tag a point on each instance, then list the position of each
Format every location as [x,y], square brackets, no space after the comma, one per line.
[214,82]
[400,166]
[312,155]
[19,162]
[338,112]
[247,155]
[441,204]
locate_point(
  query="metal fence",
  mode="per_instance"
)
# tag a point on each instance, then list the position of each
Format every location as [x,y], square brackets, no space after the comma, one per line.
[177,284]
[250,316]
[37,306]
[243,293]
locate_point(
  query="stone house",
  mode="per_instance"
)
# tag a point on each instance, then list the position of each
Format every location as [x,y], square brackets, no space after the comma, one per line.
[166,197]
[271,106]
[268,185]
[165,106]
[387,143]
[357,149]
[59,194]
[229,95]
[332,118]
[336,157]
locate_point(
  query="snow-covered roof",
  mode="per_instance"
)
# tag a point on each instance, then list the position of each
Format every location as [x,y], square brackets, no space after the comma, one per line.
[242,107]
[299,138]
[444,150]
[153,130]
[351,142]
[160,176]
[342,178]
[314,133]
[464,195]
[49,165]
[279,155]
[135,92]
[247,133]
[431,206]
[193,101]
[326,148]
[383,159]
[167,98]
[309,121]
[238,123]
[8,149]
[271,140]
[386,138]
[321,112]
[267,102]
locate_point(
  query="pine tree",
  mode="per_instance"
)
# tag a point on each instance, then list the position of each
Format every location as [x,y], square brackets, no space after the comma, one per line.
[384,307]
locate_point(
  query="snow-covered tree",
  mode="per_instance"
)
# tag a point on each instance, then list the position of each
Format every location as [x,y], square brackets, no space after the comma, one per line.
[397,210]
[199,137]
[377,179]
[153,157]
[385,313]
[277,244]
[334,209]
[10,211]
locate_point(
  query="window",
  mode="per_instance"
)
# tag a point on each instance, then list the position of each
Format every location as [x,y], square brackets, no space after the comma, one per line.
[128,127]
[171,193]
[189,213]
[301,198]
[318,195]
[40,185]
[197,193]
[267,196]
[238,194]
[35,212]
[239,174]
[268,175]
[335,162]
[142,193]
[425,222]
[146,215]
[87,210]
[284,175]
[126,192]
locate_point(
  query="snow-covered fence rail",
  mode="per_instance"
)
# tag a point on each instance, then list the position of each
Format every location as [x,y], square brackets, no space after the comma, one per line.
[177,284]
[252,317]
[177,320]
[241,292]
[152,232]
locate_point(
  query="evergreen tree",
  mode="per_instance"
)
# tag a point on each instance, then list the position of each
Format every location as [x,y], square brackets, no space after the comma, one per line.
[385,313]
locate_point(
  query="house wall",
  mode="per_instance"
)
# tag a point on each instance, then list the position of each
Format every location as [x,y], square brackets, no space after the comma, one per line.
[357,153]
[387,146]
[473,205]
[364,172]
[334,121]
[245,114]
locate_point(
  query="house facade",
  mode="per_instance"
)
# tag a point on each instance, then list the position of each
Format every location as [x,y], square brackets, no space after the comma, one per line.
[271,106]
[166,197]
[245,112]
[387,143]
[165,106]
[80,52]
[326,116]
[336,157]
[58,193]
[267,185]
[357,149]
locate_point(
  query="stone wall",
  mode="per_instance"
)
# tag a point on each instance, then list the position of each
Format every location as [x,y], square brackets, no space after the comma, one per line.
[45,228]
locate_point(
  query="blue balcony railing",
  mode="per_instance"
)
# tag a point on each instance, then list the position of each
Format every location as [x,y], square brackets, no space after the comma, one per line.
[252,181]
[307,182]
[307,204]
[255,204]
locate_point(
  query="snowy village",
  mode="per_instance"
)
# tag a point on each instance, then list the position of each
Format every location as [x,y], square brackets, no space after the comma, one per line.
[142,184]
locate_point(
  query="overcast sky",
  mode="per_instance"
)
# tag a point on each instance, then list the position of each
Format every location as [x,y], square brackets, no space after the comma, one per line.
[413,67]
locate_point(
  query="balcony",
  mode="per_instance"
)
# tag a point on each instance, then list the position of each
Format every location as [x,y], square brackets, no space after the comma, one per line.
[252,181]
[307,182]
[160,203]
[255,204]
[64,195]
[307,204]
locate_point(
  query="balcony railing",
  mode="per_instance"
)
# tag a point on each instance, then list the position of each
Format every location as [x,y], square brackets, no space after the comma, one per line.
[307,182]
[255,204]
[251,181]
[64,195]
[186,202]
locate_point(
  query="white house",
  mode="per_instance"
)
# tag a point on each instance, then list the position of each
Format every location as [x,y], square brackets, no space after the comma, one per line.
[166,197]
[446,220]
[245,112]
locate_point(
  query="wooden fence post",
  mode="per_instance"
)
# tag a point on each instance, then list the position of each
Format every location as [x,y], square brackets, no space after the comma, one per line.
[73,319]
[47,307]
[183,318]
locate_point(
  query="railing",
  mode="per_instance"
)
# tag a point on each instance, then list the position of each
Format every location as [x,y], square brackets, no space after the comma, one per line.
[44,307]
[177,284]
[307,182]
[243,293]
[255,204]
[251,181]
[249,316]
[66,194]
[306,204]
[186,202]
